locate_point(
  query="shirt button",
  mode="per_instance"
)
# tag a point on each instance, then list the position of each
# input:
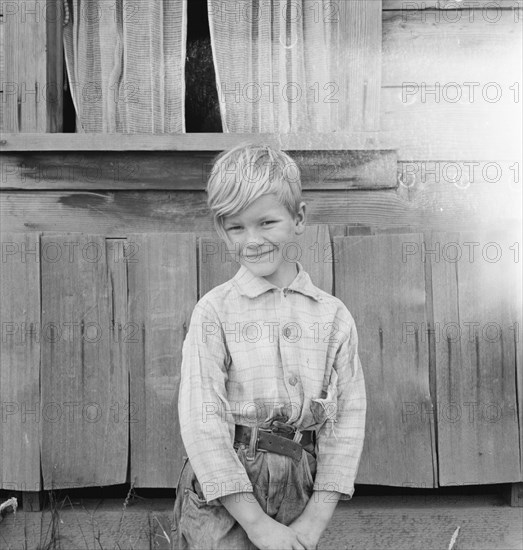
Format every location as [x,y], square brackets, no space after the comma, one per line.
[287,332]
[293,380]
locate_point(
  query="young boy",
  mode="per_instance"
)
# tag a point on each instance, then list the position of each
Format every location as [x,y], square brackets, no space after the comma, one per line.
[272,397]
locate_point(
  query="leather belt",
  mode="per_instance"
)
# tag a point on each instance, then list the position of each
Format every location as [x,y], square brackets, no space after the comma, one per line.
[275,440]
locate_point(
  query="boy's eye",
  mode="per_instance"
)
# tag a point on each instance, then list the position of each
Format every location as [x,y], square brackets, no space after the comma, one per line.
[234,227]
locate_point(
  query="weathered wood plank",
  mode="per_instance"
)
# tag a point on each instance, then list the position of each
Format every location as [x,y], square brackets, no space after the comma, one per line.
[359,78]
[118,255]
[386,297]
[32,90]
[33,501]
[216,264]
[2,72]
[477,296]
[441,206]
[313,250]
[162,295]
[429,336]
[316,254]
[84,375]
[427,53]
[419,48]
[451,4]
[519,382]
[444,47]
[432,128]
[344,141]
[176,170]
[513,494]
[20,362]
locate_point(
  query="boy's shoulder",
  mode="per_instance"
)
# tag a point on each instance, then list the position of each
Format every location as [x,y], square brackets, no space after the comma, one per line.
[342,313]
[214,299]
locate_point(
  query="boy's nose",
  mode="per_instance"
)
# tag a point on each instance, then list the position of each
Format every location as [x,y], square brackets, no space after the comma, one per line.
[254,245]
[254,240]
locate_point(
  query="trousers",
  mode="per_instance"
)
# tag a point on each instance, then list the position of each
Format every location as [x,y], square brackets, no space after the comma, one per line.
[281,485]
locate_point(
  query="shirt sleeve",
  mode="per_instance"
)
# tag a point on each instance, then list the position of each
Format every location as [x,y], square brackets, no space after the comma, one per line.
[340,441]
[206,422]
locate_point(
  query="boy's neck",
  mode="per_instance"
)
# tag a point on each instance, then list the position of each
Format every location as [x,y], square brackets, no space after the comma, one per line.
[283,280]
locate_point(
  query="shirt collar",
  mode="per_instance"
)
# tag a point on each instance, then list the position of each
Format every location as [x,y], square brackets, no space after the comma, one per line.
[252,286]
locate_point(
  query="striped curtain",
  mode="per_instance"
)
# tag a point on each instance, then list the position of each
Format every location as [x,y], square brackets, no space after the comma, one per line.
[276,64]
[125,62]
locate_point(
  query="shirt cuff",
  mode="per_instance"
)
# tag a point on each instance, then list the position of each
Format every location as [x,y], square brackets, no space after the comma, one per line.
[212,490]
[336,483]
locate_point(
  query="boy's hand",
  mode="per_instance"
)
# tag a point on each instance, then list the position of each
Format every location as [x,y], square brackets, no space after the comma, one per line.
[269,534]
[308,533]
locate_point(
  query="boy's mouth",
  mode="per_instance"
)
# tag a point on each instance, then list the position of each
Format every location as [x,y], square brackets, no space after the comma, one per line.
[254,256]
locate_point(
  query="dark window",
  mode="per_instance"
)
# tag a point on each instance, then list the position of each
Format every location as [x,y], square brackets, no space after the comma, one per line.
[202,111]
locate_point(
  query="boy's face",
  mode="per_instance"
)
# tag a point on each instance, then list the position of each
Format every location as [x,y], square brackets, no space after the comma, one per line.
[259,235]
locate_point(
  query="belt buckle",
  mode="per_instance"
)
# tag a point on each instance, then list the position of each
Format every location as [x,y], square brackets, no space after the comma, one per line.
[282,427]
[285,446]
[267,430]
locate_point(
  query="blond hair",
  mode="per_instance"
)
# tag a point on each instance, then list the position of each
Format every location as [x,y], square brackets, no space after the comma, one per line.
[245,173]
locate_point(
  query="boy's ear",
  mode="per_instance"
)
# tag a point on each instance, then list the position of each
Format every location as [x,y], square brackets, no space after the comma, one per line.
[300,219]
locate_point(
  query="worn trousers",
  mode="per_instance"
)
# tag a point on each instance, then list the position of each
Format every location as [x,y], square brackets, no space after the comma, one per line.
[281,485]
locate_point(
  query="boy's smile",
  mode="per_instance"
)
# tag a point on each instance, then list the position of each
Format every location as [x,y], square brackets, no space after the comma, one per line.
[262,237]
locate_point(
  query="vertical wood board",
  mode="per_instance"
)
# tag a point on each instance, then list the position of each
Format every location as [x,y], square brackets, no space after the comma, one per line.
[359,64]
[386,297]
[33,66]
[84,379]
[162,295]
[477,325]
[20,362]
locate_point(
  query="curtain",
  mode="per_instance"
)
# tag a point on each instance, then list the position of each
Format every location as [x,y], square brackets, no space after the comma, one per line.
[277,63]
[125,61]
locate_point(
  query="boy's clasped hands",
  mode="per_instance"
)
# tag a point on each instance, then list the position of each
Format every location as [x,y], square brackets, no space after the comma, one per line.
[269,534]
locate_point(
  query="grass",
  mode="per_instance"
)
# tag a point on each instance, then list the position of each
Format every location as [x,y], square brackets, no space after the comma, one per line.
[93,530]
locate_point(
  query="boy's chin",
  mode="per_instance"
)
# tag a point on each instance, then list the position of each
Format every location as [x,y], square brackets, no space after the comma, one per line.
[262,269]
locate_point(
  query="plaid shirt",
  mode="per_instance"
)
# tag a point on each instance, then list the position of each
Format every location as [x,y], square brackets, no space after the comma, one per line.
[255,352]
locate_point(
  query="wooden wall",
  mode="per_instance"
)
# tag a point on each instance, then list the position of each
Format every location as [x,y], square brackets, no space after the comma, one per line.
[90,372]
[442,175]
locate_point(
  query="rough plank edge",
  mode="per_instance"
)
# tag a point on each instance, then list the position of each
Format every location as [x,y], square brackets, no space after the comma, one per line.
[426,237]
[420,5]
[513,493]
[375,141]
[33,501]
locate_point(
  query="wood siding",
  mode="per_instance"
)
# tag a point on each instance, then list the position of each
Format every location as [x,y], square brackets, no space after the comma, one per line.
[99,392]
[436,172]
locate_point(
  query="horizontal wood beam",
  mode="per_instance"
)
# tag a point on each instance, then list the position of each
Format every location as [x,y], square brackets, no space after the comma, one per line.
[375,141]
[177,170]
[443,206]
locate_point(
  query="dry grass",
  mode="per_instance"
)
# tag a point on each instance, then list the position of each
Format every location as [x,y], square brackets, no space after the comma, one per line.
[94,531]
